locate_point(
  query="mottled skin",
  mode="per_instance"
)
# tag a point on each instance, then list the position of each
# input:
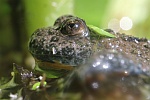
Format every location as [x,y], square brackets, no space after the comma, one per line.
[54,46]
[70,43]
[66,43]
[137,48]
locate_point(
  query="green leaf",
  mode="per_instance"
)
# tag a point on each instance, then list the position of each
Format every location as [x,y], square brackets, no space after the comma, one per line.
[37,85]
[9,87]
[99,31]
[9,84]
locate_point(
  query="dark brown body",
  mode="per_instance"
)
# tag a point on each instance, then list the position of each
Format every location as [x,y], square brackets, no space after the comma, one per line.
[70,43]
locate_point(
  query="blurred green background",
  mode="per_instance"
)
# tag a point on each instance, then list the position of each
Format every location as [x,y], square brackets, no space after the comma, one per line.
[20,18]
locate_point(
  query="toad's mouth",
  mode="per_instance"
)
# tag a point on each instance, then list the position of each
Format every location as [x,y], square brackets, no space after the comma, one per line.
[56,65]
[64,59]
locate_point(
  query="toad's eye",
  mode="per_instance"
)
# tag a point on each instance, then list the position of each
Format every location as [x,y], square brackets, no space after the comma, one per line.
[73,27]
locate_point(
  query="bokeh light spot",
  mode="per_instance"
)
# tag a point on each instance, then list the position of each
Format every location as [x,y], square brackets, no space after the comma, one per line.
[126,23]
[114,25]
